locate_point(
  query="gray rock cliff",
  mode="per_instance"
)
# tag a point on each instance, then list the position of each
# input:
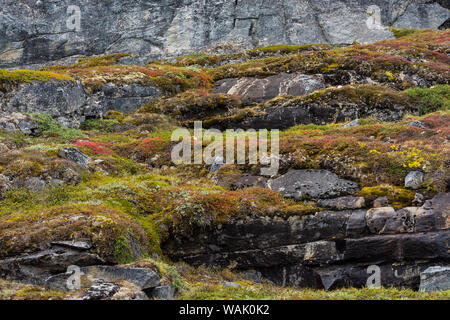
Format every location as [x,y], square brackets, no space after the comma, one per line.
[33,33]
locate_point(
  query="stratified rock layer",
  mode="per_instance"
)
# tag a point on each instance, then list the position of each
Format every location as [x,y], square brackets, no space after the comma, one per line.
[328,249]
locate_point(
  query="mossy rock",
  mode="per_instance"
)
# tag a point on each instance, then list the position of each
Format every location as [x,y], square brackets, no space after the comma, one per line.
[398,197]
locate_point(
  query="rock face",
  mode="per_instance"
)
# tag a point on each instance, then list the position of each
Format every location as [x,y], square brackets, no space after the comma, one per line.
[435,278]
[328,249]
[36,32]
[284,115]
[260,90]
[65,101]
[126,98]
[315,184]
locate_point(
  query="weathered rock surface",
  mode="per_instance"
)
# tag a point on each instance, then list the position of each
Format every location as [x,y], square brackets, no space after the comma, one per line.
[101,290]
[126,98]
[74,155]
[284,115]
[162,292]
[316,184]
[65,101]
[342,203]
[38,32]
[36,268]
[327,249]
[435,278]
[260,90]
[414,179]
[143,278]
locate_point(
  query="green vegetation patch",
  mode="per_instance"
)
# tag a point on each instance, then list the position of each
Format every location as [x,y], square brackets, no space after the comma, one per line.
[432,99]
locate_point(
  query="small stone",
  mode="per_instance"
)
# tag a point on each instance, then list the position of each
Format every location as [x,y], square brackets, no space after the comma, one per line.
[3,148]
[381,202]
[101,290]
[5,185]
[354,123]
[228,284]
[417,124]
[218,162]
[418,199]
[435,279]
[414,180]
[56,182]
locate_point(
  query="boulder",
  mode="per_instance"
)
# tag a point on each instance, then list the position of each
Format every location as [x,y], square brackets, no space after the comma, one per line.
[73,154]
[354,123]
[414,180]
[253,90]
[313,184]
[435,278]
[417,124]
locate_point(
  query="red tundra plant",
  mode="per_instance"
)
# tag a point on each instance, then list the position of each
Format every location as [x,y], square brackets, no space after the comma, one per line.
[148,143]
[96,147]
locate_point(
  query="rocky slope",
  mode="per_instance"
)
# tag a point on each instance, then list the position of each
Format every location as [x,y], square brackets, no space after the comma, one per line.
[86,177]
[36,32]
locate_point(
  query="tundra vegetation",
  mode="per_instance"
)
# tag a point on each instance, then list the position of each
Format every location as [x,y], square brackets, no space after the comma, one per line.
[131,195]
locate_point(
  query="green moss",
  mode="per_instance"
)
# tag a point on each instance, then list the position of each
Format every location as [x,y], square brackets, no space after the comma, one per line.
[48,126]
[398,197]
[122,250]
[288,49]
[402,32]
[99,125]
